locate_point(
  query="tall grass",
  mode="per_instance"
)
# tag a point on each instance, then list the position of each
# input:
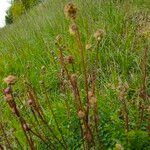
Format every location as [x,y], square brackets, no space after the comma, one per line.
[75,91]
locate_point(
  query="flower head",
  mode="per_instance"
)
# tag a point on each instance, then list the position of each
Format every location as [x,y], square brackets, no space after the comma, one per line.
[81,114]
[70,59]
[70,10]
[73,29]
[10,79]
[99,34]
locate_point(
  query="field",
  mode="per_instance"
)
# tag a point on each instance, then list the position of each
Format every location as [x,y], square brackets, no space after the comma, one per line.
[76,76]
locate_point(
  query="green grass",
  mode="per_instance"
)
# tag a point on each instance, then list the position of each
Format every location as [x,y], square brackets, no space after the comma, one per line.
[29,44]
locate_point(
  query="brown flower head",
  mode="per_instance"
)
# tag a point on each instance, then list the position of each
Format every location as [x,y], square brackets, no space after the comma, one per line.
[70,11]
[92,100]
[81,114]
[73,29]
[99,34]
[74,78]
[26,127]
[30,102]
[90,94]
[10,79]
[8,97]
[88,46]
[69,59]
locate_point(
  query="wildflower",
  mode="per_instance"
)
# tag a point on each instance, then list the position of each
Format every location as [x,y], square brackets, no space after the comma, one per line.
[41,82]
[10,79]
[8,97]
[70,11]
[69,59]
[92,100]
[99,34]
[74,78]
[81,114]
[30,102]
[73,29]
[90,94]
[88,46]
[26,127]
[7,91]
[88,135]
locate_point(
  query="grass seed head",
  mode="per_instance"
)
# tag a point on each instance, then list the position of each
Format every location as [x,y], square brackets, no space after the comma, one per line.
[26,127]
[70,11]
[99,34]
[10,79]
[73,29]
[88,46]
[8,97]
[74,78]
[30,102]
[70,59]
[81,114]
[92,100]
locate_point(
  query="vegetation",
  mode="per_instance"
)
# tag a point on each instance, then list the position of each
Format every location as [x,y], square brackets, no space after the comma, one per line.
[18,8]
[78,79]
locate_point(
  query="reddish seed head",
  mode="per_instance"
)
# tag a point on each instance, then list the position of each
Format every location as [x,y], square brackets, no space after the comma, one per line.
[81,114]
[8,97]
[30,102]
[69,59]
[99,34]
[92,100]
[73,29]
[74,78]
[10,79]
[7,90]
[88,46]
[90,94]
[26,127]
[70,11]
[88,136]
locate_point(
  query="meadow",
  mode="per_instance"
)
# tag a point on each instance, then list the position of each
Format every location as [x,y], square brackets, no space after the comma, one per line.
[76,76]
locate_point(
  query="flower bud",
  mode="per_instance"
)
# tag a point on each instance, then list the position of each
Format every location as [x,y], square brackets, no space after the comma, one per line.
[70,11]
[69,59]
[99,34]
[73,29]
[81,114]
[10,79]
[26,127]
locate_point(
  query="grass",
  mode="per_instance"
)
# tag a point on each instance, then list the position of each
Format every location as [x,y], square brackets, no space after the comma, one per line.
[28,50]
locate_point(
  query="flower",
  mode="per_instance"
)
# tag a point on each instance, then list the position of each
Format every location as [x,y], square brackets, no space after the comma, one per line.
[70,11]
[26,127]
[10,79]
[69,59]
[81,114]
[92,100]
[88,46]
[74,78]
[99,34]
[8,97]
[73,29]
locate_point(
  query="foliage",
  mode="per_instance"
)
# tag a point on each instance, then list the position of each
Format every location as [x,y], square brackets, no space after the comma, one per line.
[18,8]
[138,140]
[29,51]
